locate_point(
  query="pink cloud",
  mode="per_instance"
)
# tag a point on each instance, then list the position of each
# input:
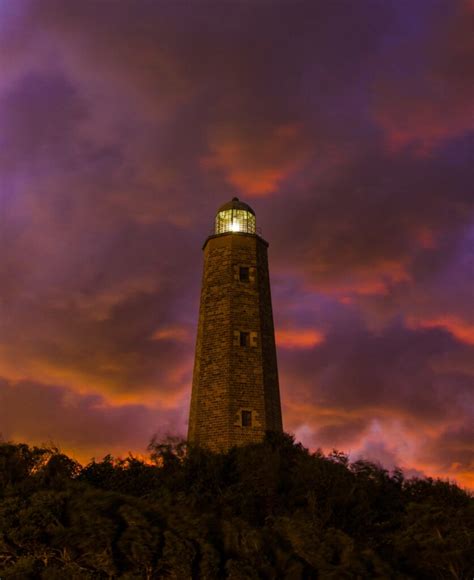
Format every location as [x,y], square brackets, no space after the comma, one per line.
[173,332]
[460,329]
[257,160]
[376,279]
[299,338]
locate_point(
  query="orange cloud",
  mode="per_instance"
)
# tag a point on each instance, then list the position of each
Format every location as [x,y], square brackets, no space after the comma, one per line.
[257,164]
[371,280]
[83,425]
[461,330]
[175,332]
[377,434]
[116,378]
[296,338]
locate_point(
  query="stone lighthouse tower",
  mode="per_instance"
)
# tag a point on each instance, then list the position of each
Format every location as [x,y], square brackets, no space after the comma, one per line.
[235,396]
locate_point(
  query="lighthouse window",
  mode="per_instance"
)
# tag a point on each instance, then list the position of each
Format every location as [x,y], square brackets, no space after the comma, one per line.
[244,274]
[246,418]
[244,338]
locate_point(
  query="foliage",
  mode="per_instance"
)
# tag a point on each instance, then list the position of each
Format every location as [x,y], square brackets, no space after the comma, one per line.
[272,510]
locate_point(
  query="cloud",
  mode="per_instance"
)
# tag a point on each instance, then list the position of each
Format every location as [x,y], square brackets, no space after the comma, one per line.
[123,128]
[458,328]
[384,395]
[176,333]
[257,164]
[84,426]
[431,99]
[452,452]
[298,338]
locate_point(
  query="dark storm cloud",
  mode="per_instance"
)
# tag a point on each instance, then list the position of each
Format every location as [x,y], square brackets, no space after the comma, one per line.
[357,370]
[390,393]
[219,70]
[377,225]
[123,126]
[431,99]
[94,315]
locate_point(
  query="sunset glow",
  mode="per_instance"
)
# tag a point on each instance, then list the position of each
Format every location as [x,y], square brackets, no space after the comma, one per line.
[125,125]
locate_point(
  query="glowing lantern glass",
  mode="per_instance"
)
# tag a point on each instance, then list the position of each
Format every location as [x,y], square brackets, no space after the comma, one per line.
[235,217]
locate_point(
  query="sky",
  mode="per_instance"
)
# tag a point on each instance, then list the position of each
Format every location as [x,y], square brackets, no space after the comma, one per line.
[347,126]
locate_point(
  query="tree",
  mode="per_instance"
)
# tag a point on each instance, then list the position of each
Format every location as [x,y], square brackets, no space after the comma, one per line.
[267,510]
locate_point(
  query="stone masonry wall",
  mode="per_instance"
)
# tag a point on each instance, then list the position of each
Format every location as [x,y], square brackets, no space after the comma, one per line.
[230,378]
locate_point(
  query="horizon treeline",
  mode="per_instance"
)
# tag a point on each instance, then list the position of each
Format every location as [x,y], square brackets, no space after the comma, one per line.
[270,510]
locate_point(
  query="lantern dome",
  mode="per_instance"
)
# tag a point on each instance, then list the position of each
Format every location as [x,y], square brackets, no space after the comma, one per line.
[235,216]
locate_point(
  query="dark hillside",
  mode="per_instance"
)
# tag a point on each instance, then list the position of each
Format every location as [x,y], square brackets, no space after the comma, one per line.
[271,510]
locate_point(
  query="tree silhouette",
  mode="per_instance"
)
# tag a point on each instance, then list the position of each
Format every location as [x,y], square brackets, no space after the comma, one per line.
[272,510]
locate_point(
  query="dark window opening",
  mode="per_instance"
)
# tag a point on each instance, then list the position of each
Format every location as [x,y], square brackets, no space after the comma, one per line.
[246,418]
[244,274]
[244,338]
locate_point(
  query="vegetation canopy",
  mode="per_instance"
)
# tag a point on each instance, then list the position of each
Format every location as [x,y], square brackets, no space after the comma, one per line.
[270,510]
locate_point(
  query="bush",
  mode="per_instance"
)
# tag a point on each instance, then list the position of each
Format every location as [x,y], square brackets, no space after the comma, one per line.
[272,510]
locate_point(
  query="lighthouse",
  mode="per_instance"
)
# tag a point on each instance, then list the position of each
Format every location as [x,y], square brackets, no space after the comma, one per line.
[235,394]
